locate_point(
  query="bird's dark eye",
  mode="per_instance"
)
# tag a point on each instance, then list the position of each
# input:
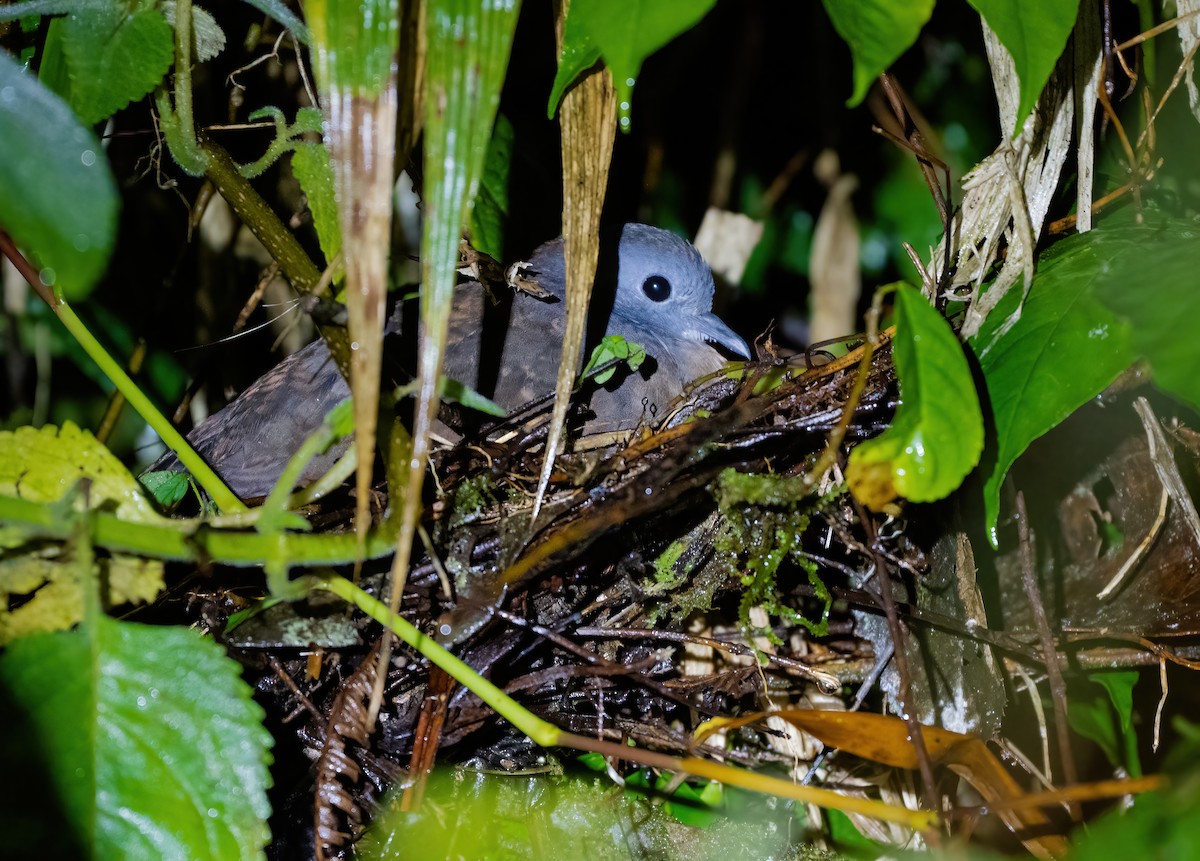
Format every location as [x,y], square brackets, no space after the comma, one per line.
[657,288]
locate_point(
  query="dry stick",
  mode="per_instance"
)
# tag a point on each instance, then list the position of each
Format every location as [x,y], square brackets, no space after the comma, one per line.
[897,633]
[915,142]
[1058,687]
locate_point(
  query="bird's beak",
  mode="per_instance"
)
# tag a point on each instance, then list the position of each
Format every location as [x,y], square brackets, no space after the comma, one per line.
[712,328]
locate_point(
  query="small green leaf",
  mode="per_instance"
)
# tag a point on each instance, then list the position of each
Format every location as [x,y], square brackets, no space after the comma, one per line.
[937,435]
[625,32]
[1035,32]
[1108,721]
[1063,350]
[152,740]
[878,32]
[114,58]
[1152,285]
[491,202]
[208,39]
[57,195]
[166,486]
[613,348]
[454,392]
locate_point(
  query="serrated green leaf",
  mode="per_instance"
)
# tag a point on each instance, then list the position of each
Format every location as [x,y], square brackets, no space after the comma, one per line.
[1064,350]
[937,435]
[114,58]
[42,464]
[166,486]
[613,348]
[40,590]
[877,32]
[625,32]
[208,39]
[491,203]
[1035,32]
[57,195]
[151,738]
[1152,286]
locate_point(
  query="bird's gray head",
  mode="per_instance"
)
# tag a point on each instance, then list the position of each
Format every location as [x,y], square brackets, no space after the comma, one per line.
[664,285]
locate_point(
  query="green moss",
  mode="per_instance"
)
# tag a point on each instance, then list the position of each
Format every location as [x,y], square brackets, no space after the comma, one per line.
[761,522]
[470,498]
[765,519]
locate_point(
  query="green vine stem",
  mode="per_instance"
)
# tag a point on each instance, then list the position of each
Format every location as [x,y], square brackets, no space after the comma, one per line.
[225,498]
[545,734]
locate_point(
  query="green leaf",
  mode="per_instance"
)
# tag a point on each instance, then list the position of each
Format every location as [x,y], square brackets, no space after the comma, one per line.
[151,738]
[491,203]
[114,57]
[1035,32]
[625,33]
[1063,350]
[278,10]
[878,32]
[312,167]
[208,39]
[579,53]
[25,8]
[479,815]
[1160,824]
[40,591]
[1094,719]
[356,43]
[454,392]
[166,486]
[613,348]
[1152,286]
[937,435]
[57,195]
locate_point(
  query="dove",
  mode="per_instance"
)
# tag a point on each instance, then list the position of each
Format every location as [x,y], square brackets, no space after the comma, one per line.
[508,351]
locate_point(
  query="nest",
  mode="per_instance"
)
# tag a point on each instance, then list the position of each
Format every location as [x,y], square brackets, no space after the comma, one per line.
[579,617]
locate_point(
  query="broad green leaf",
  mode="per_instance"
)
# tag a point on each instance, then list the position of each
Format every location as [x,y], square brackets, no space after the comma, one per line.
[42,464]
[114,57]
[1063,350]
[152,740]
[878,32]
[57,195]
[937,434]
[625,33]
[1152,286]
[479,815]
[311,165]
[579,53]
[490,209]
[1035,32]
